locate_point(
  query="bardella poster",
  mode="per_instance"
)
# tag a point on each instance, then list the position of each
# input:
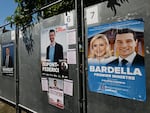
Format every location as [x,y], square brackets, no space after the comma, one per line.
[116,59]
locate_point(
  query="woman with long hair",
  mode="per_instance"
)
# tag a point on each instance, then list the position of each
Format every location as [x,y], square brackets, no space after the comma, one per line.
[100,50]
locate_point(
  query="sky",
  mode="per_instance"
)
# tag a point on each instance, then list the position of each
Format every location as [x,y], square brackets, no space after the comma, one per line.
[7,8]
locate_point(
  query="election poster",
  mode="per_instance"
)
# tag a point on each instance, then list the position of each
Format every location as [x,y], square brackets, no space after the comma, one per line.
[56,93]
[54,52]
[116,59]
[7,59]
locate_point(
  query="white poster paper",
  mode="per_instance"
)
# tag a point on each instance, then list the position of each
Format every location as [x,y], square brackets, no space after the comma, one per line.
[71,56]
[68,87]
[13,35]
[71,37]
[44,83]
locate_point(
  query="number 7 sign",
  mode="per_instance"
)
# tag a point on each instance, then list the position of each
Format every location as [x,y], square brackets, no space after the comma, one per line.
[92,15]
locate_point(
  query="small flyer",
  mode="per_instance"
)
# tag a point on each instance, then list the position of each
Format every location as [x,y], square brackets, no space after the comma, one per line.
[56,93]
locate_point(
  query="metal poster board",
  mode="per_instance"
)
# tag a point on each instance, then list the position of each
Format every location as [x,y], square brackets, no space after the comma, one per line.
[54,52]
[8,59]
[116,59]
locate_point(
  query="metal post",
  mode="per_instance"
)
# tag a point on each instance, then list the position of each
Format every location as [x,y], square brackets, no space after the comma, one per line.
[81,46]
[17,69]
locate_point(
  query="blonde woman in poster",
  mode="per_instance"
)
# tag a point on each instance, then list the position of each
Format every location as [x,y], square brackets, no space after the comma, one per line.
[100,52]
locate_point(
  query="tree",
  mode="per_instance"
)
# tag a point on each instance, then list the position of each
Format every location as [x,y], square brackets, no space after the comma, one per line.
[24,14]
[29,10]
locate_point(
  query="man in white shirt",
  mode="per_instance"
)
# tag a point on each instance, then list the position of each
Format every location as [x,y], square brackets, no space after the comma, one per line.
[55,85]
[54,51]
[125,43]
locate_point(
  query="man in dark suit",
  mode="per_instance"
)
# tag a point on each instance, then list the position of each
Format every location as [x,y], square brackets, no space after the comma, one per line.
[54,50]
[125,43]
[8,59]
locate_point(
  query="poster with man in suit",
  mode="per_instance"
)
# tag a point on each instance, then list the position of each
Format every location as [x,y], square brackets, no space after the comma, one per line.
[8,59]
[56,92]
[123,76]
[53,50]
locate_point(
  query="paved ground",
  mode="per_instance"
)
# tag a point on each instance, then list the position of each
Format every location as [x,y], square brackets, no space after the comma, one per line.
[4,108]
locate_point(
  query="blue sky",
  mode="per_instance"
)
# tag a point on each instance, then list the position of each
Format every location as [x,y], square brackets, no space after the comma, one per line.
[7,8]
